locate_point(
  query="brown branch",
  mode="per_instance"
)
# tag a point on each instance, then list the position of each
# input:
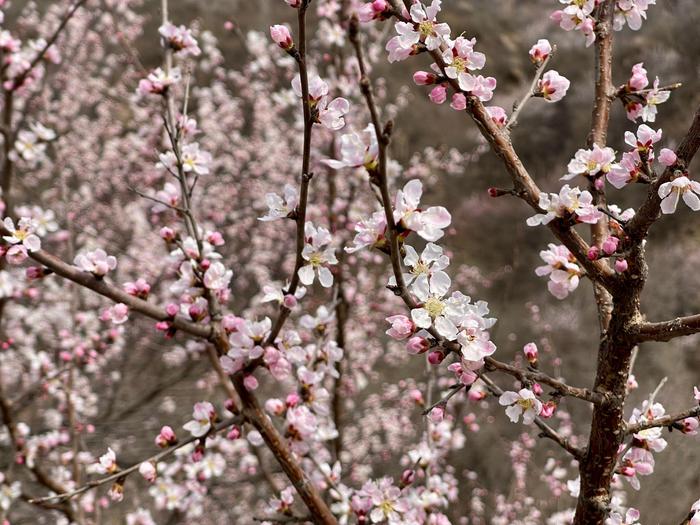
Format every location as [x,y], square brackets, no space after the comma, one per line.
[540,377]
[321,514]
[664,421]
[667,330]
[547,431]
[110,291]
[300,215]
[66,495]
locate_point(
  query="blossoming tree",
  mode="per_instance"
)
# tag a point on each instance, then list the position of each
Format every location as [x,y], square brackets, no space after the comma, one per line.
[249,227]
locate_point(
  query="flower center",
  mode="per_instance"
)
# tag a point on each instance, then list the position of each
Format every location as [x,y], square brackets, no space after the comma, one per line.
[526,404]
[434,307]
[420,268]
[425,28]
[459,64]
[316,259]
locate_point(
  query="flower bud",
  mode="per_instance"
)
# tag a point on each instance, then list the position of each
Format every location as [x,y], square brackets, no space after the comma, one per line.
[281,36]
[593,253]
[438,94]
[436,357]
[424,78]
[530,351]
[610,245]
[417,345]
[621,265]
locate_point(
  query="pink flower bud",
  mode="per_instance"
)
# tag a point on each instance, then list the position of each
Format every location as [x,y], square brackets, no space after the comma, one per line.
[231,323]
[275,406]
[417,396]
[621,265]
[166,437]
[230,405]
[438,94]
[548,409]
[437,414]
[281,36]
[196,311]
[530,351]
[540,51]
[215,238]
[234,433]
[593,253]
[250,382]
[167,234]
[423,78]
[407,477]
[599,183]
[628,471]
[292,400]
[172,309]
[148,471]
[667,157]
[610,245]
[34,272]
[537,389]
[459,102]
[198,454]
[289,301]
[401,327]
[436,357]
[228,25]
[417,345]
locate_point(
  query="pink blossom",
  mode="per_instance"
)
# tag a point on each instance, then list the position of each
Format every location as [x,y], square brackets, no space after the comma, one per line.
[118,314]
[427,223]
[424,78]
[540,51]
[357,150]
[638,80]
[562,270]
[667,157]
[281,36]
[498,115]
[644,140]
[438,94]
[202,417]
[376,9]
[610,245]
[22,236]
[552,86]
[158,81]
[401,327]
[319,255]
[148,470]
[417,345]
[107,464]
[166,437]
[179,39]
[621,266]
[96,262]
[423,27]
[250,382]
[530,351]
[523,403]
[671,191]
[459,102]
